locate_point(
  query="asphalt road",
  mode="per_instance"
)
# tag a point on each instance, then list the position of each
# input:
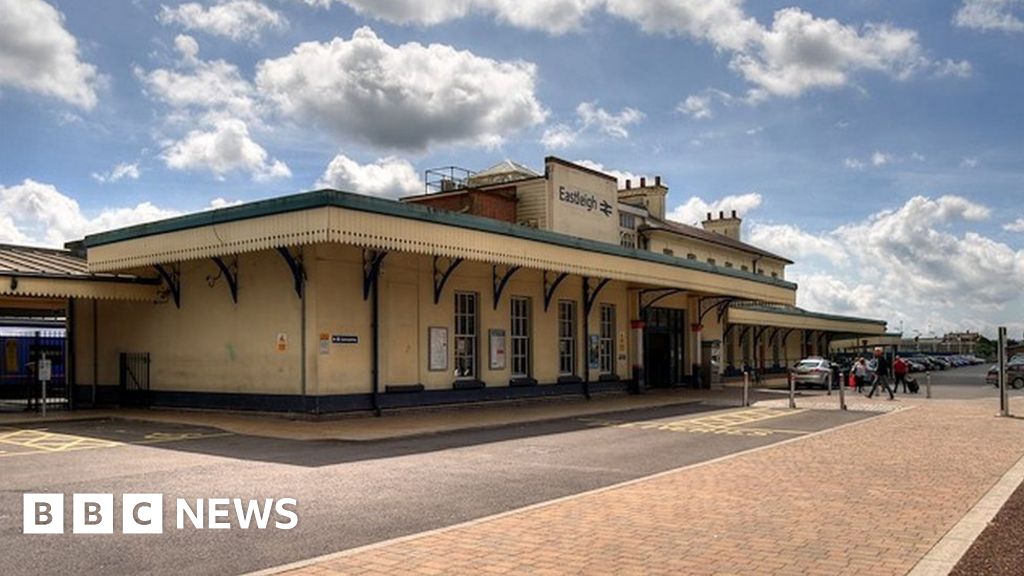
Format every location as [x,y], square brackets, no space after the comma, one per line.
[349,494]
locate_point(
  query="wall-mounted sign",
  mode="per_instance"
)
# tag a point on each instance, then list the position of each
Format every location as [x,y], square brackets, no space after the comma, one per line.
[497,346]
[45,369]
[282,342]
[325,343]
[344,339]
[437,355]
[585,200]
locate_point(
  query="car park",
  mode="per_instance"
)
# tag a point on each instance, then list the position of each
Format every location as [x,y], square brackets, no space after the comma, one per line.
[812,372]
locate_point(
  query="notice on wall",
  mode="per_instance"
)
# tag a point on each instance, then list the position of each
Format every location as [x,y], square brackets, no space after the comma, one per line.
[496,338]
[12,356]
[325,343]
[437,355]
[45,368]
[282,342]
[594,352]
[622,347]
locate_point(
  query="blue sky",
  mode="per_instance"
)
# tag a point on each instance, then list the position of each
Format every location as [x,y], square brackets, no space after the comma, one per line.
[876,143]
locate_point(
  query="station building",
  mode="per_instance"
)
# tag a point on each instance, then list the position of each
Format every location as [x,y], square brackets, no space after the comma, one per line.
[498,284]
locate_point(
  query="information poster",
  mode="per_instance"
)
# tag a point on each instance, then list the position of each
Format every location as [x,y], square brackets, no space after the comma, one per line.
[594,354]
[438,348]
[497,346]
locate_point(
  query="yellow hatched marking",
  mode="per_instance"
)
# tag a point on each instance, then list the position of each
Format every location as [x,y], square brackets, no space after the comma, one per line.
[43,441]
[732,423]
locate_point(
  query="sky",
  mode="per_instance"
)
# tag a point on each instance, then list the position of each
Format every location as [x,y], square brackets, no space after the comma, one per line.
[877,144]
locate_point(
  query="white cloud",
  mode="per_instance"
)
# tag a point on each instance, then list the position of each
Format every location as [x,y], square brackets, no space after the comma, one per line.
[207,89]
[118,172]
[406,97]
[39,55]
[389,177]
[697,107]
[794,243]
[990,15]
[615,125]
[906,264]
[1015,226]
[854,164]
[558,137]
[39,214]
[969,162]
[953,68]
[227,148]
[234,19]
[620,175]
[551,16]
[880,158]
[695,209]
[917,156]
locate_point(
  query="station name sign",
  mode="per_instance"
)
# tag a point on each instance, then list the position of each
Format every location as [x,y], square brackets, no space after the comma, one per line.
[585,200]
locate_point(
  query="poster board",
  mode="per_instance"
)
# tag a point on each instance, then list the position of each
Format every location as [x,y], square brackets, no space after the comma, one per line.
[437,353]
[496,340]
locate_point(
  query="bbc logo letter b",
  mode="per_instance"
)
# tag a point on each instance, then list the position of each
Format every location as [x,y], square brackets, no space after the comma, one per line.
[43,514]
[93,514]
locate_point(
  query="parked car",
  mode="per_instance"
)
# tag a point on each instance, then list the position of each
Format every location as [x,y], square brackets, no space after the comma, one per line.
[813,372]
[1014,374]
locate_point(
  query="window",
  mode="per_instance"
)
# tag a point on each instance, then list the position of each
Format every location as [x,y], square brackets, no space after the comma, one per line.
[607,352]
[627,239]
[691,256]
[728,264]
[520,334]
[744,268]
[566,337]
[668,252]
[627,220]
[466,336]
[711,261]
[775,274]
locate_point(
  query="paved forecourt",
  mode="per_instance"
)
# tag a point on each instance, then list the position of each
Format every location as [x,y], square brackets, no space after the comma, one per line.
[872,497]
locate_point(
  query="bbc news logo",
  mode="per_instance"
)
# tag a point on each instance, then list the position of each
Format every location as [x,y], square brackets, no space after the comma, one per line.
[144,513]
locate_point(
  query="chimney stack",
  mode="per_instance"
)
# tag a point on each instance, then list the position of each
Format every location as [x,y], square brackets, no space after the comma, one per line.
[657,180]
[709,215]
[721,214]
[729,227]
[643,182]
[733,213]
[629,184]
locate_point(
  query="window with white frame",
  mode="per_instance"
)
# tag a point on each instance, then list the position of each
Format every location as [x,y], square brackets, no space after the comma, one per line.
[566,337]
[520,336]
[607,352]
[466,335]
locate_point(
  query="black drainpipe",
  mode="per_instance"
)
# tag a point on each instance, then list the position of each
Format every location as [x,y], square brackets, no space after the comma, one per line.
[586,340]
[375,329]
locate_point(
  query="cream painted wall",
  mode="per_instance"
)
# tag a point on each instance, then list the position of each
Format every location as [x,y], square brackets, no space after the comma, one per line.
[682,247]
[210,344]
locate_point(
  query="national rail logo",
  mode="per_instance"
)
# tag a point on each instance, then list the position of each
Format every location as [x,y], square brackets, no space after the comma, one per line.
[143,513]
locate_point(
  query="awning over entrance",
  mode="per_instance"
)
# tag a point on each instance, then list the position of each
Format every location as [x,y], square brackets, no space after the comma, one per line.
[38,278]
[798,318]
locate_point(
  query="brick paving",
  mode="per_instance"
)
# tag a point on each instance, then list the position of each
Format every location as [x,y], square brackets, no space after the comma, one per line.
[869,498]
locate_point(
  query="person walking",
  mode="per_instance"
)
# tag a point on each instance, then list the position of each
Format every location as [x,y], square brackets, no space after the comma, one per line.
[882,369]
[860,374]
[899,372]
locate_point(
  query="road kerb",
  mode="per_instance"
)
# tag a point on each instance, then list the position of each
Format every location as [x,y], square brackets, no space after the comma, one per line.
[476,521]
[943,557]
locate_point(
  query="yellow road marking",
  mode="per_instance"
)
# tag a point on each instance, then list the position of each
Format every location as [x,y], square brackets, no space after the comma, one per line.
[41,441]
[732,423]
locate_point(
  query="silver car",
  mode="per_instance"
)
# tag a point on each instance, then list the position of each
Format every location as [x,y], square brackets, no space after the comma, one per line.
[813,372]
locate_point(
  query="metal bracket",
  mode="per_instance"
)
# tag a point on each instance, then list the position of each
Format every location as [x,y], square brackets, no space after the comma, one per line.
[372,260]
[499,282]
[550,286]
[441,276]
[590,294]
[759,332]
[728,329]
[172,279]
[295,265]
[785,336]
[743,334]
[718,300]
[662,293]
[230,274]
